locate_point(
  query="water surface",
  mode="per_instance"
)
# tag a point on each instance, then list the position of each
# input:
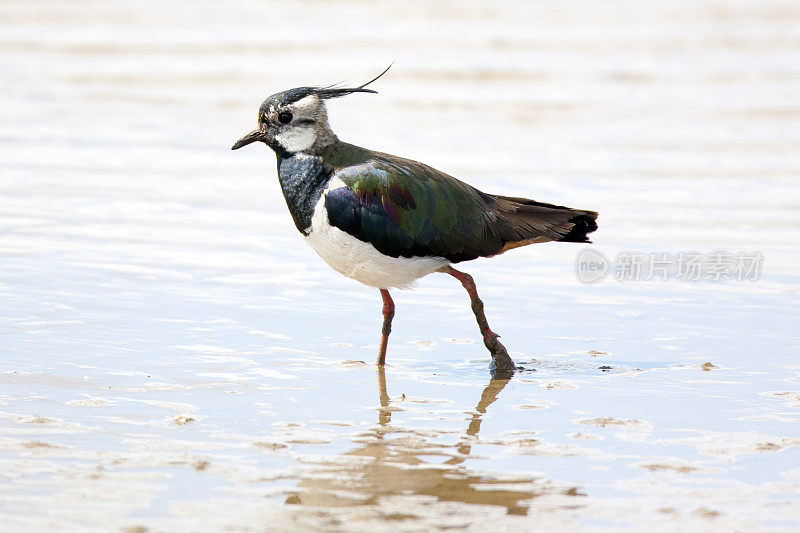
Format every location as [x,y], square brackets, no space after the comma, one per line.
[175,358]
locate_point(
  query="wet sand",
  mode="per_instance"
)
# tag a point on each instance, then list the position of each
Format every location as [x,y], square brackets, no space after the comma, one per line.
[174,357]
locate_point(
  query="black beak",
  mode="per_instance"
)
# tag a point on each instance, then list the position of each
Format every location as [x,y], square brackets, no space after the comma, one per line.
[253,136]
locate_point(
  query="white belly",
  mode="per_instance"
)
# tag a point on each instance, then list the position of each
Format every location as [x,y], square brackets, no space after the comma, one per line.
[361,261]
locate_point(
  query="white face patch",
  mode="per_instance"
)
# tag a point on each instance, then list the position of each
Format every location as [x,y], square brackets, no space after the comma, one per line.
[296,139]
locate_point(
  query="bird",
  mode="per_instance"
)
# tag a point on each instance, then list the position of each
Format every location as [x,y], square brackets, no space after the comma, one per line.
[387,221]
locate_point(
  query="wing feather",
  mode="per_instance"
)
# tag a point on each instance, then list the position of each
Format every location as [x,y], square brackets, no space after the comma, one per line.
[408,209]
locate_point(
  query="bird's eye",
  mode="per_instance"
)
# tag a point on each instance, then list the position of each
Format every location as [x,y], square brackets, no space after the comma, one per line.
[285,118]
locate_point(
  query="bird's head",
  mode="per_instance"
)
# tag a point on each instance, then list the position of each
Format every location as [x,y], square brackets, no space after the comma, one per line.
[296,120]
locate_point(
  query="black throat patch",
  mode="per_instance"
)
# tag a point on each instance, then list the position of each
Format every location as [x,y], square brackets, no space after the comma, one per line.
[302,179]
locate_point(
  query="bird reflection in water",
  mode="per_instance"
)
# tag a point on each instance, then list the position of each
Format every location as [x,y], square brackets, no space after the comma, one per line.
[396,462]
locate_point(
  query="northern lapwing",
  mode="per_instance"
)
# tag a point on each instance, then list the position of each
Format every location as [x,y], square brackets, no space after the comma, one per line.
[387,221]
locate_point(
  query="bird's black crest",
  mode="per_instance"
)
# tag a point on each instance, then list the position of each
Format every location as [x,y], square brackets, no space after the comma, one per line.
[336,92]
[293,95]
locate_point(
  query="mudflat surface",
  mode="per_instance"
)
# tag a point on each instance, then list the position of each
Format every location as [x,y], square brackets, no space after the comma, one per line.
[174,357]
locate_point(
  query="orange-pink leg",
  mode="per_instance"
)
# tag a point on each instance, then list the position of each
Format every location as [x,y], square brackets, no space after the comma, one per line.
[501,360]
[388,314]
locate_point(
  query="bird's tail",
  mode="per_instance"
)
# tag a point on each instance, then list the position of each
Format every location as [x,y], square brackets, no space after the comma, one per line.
[528,222]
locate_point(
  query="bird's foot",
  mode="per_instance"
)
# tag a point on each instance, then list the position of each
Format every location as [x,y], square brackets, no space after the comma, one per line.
[501,361]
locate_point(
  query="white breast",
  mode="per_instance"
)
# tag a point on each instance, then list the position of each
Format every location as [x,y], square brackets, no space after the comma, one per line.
[360,260]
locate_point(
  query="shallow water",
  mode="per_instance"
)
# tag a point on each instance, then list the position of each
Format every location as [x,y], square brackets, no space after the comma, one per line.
[175,358]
